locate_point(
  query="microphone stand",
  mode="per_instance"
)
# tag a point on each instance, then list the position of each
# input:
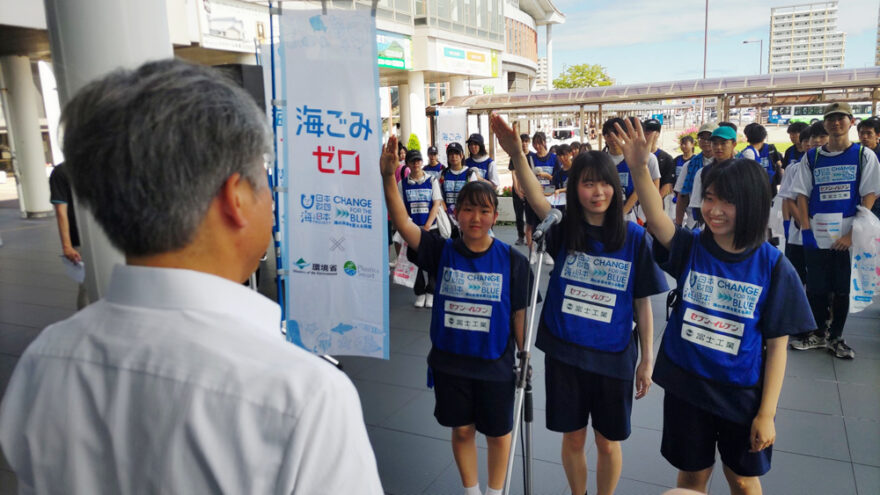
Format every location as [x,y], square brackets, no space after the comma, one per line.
[522,404]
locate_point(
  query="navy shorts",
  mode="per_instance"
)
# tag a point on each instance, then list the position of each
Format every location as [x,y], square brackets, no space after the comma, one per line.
[795,254]
[690,435]
[461,401]
[531,217]
[575,395]
[827,271]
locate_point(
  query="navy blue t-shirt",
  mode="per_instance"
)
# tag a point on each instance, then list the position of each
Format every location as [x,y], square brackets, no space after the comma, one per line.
[786,312]
[501,369]
[649,280]
[560,178]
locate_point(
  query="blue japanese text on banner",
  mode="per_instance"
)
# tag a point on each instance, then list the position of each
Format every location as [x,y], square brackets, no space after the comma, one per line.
[336,229]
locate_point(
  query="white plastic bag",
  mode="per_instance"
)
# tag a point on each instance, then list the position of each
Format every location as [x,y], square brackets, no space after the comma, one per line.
[405,271]
[865,256]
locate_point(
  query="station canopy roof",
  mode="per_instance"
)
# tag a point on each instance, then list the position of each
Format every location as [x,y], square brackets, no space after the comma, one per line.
[789,87]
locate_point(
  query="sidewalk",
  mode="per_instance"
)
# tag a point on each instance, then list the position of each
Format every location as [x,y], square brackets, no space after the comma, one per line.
[828,423]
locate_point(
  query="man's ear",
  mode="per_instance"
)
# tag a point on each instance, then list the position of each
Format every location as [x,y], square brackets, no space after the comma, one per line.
[230,198]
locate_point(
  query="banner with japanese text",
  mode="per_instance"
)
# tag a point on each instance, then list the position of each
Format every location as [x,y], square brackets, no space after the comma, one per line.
[451,128]
[334,243]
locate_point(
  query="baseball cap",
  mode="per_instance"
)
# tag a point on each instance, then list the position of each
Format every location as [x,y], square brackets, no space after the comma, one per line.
[413,155]
[432,150]
[724,132]
[652,125]
[837,107]
[707,127]
[475,138]
[454,148]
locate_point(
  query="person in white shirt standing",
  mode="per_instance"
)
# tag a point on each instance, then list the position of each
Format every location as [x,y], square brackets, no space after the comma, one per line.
[178,381]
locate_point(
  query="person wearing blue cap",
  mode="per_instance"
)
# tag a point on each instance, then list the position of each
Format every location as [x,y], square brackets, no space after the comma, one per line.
[723,148]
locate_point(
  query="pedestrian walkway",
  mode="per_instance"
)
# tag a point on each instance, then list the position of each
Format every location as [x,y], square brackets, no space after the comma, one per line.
[828,423]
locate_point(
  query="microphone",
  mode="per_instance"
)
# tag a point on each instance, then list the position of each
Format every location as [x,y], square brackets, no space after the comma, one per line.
[550,220]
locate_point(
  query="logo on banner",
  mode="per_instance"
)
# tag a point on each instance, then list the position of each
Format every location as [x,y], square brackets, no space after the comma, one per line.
[323,209]
[303,266]
[352,269]
[722,294]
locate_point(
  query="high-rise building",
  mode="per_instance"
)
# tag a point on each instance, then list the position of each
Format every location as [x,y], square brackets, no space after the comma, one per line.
[877,49]
[805,37]
[542,81]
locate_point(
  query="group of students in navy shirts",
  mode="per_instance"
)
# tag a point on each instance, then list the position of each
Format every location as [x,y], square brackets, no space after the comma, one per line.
[722,358]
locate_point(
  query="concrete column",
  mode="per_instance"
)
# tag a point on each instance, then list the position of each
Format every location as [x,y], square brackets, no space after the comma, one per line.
[549,47]
[458,86]
[27,142]
[417,120]
[405,120]
[88,39]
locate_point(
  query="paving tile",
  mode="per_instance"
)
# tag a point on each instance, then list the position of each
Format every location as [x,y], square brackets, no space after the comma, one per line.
[549,478]
[420,346]
[31,315]
[860,370]
[826,438]
[865,346]
[7,365]
[642,460]
[353,364]
[794,474]
[417,417]
[647,412]
[804,394]
[860,401]
[401,369]
[546,444]
[812,364]
[867,479]
[41,296]
[401,337]
[379,400]
[14,339]
[408,463]
[864,440]
[8,483]
[632,487]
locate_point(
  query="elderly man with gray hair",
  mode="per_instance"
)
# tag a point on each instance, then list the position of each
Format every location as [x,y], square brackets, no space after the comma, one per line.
[178,380]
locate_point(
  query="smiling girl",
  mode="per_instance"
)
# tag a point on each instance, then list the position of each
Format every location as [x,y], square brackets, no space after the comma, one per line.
[601,283]
[476,324]
[722,359]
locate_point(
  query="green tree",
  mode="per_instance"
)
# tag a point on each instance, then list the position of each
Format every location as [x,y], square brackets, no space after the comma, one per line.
[413,143]
[583,76]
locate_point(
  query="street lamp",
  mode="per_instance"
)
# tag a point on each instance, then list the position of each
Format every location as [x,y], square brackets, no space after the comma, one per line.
[760,55]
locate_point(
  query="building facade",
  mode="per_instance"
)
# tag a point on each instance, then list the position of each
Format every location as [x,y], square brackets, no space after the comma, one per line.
[805,37]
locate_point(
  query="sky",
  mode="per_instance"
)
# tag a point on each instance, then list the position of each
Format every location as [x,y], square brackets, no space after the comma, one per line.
[640,41]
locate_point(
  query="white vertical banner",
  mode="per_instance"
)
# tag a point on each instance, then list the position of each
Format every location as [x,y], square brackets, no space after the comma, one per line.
[335,237]
[451,128]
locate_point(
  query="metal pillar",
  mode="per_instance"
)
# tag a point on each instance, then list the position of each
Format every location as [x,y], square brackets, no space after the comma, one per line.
[582,124]
[88,39]
[27,143]
[599,127]
[405,113]
[417,118]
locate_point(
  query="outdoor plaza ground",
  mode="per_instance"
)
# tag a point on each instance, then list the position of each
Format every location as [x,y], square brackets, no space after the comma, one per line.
[828,421]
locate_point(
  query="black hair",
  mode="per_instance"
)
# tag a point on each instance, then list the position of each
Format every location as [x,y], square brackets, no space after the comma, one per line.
[687,138]
[575,144]
[400,146]
[872,122]
[805,135]
[553,149]
[798,127]
[524,137]
[728,124]
[482,151]
[608,126]
[745,184]
[596,166]
[563,149]
[755,133]
[539,137]
[818,129]
[477,193]
[586,147]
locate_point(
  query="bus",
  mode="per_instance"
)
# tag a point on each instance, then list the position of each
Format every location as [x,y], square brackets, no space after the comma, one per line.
[811,113]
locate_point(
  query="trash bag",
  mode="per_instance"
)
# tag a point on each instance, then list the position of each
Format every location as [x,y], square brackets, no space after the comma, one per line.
[405,271]
[865,258]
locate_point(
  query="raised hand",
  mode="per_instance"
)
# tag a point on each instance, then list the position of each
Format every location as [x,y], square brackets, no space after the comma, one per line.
[388,163]
[506,135]
[636,148]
